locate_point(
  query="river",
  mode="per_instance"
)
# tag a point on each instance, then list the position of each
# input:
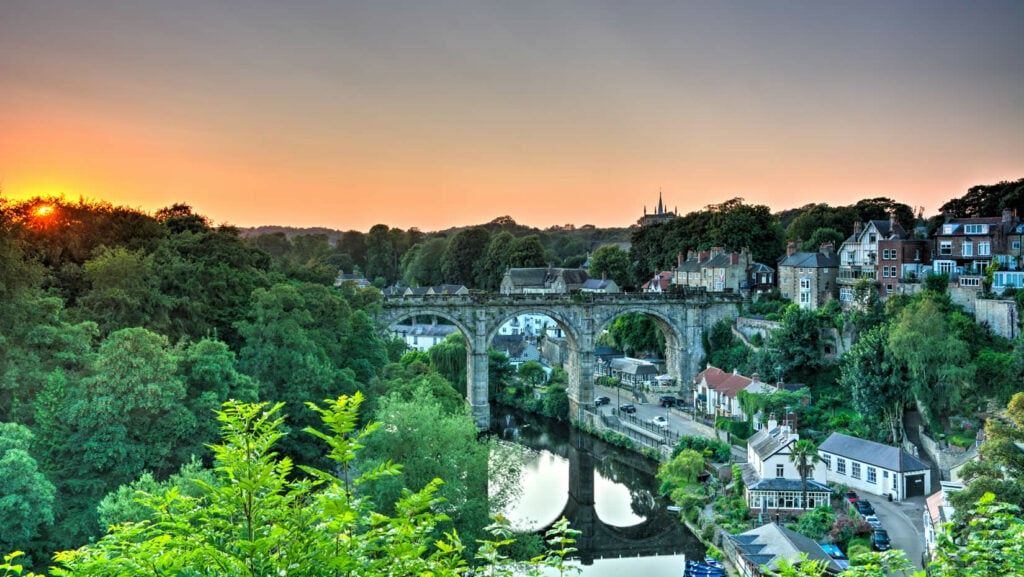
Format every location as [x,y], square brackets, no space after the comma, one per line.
[627,528]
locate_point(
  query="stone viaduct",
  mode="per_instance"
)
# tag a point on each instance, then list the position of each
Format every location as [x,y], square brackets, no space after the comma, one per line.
[682,317]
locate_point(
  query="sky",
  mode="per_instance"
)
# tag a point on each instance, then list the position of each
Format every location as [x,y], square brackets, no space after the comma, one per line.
[436,113]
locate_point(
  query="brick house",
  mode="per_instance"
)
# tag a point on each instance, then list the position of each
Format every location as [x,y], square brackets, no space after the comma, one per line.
[858,255]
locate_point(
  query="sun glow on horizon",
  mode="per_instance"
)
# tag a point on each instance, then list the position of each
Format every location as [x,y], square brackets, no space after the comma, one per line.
[44,210]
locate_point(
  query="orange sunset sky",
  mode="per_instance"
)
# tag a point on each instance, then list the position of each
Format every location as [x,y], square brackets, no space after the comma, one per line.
[432,114]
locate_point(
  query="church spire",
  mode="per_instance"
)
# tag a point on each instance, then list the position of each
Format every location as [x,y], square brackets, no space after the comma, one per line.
[661,207]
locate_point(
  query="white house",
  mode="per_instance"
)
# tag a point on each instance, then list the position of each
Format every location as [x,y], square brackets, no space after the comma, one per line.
[715,392]
[772,482]
[423,336]
[870,467]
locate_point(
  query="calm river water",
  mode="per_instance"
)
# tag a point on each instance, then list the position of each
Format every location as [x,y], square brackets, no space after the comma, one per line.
[632,532]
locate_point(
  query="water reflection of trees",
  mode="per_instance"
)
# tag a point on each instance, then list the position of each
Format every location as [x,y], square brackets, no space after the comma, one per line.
[643,494]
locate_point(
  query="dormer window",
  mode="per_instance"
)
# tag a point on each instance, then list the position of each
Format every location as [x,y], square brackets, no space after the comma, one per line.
[947,229]
[975,229]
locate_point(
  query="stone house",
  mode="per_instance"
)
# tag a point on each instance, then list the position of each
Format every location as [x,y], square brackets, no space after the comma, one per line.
[542,280]
[809,278]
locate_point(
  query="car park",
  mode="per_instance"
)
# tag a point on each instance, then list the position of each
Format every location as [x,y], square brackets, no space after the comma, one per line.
[660,422]
[627,408]
[601,401]
[880,540]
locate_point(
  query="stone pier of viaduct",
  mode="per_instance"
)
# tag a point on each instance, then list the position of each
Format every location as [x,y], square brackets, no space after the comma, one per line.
[683,318]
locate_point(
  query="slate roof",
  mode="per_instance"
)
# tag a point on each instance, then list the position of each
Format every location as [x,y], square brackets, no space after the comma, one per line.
[872,453]
[768,442]
[768,544]
[783,484]
[633,366]
[662,280]
[811,260]
[599,284]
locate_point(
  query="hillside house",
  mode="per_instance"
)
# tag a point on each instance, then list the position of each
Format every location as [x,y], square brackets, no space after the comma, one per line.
[809,278]
[715,392]
[771,481]
[870,467]
[858,255]
[542,280]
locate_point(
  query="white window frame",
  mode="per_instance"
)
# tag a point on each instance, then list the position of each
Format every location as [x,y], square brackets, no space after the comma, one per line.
[872,476]
[984,248]
[967,248]
[946,247]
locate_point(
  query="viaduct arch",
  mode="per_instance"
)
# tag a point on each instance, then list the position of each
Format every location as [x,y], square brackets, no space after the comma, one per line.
[682,317]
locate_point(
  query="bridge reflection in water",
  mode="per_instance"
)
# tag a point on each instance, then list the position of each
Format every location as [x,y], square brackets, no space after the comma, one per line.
[610,494]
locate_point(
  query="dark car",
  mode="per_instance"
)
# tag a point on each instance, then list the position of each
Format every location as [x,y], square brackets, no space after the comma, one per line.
[864,507]
[627,409]
[601,401]
[880,540]
[668,401]
[851,496]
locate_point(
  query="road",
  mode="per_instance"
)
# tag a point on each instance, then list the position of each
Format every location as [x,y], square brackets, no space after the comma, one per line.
[678,422]
[905,523]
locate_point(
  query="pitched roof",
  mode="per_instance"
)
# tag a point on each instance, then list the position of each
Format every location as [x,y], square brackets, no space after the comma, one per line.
[768,544]
[811,260]
[599,284]
[768,442]
[725,383]
[872,453]
[633,366]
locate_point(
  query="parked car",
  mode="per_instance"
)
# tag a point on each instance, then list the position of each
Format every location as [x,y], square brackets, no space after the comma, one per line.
[864,507]
[660,422]
[851,496]
[668,401]
[874,521]
[627,408]
[601,401]
[880,540]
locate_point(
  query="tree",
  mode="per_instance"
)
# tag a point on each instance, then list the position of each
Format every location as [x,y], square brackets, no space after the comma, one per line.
[26,495]
[448,358]
[612,262]
[737,226]
[431,444]
[464,256]
[637,335]
[496,261]
[821,216]
[938,362]
[527,252]
[804,456]
[421,265]
[821,237]
[878,382]
[381,255]
[254,520]
[532,373]
[991,546]
[987,200]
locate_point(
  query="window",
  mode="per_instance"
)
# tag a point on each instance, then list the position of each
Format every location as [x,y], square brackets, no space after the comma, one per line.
[947,229]
[805,284]
[970,281]
[827,459]
[967,248]
[984,248]
[841,466]
[1015,244]
[871,475]
[945,247]
[888,288]
[805,297]
[974,229]
[780,471]
[855,470]
[888,254]
[846,294]
[872,238]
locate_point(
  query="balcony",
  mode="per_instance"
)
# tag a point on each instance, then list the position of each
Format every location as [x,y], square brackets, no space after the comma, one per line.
[849,275]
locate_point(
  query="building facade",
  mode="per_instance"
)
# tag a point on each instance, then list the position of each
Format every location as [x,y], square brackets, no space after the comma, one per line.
[870,467]
[809,278]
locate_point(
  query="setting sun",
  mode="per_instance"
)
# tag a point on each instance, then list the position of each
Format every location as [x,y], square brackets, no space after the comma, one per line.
[44,210]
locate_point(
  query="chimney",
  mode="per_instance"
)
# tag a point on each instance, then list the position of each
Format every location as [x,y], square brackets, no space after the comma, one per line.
[679,259]
[791,248]
[1008,215]
[690,255]
[772,423]
[826,248]
[604,275]
[703,256]
[755,377]
[717,250]
[856,228]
